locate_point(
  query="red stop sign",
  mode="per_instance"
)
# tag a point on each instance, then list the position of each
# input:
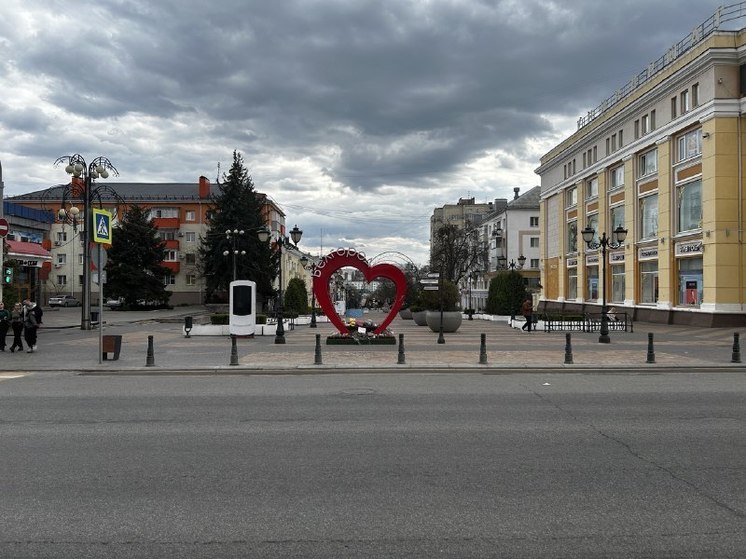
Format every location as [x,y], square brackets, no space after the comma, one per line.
[3,227]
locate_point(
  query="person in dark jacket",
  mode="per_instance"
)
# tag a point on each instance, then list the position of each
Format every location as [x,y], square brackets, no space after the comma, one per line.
[4,324]
[527,309]
[30,325]
[16,323]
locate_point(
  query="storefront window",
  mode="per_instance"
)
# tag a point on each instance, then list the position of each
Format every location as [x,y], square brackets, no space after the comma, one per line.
[649,282]
[616,215]
[572,283]
[592,222]
[690,205]
[690,282]
[617,283]
[649,217]
[592,273]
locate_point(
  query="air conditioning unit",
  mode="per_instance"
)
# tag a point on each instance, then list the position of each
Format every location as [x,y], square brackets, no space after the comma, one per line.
[181,234]
[181,256]
[58,243]
[58,265]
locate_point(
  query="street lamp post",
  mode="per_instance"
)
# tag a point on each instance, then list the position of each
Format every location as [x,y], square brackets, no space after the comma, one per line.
[472,278]
[604,243]
[78,168]
[304,261]
[234,237]
[503,264]
[295,236]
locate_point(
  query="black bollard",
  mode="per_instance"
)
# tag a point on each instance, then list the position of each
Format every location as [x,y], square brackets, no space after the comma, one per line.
[736,356]
[401,360]
[483,349]
[651,352]
[234,351]
[150,359]
[317,355]
[188,325]
[568,349]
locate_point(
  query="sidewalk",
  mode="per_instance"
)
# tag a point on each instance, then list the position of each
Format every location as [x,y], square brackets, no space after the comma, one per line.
[63,346]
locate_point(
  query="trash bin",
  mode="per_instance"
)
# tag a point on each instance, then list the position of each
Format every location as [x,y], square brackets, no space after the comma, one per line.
[94,317]
[111,344]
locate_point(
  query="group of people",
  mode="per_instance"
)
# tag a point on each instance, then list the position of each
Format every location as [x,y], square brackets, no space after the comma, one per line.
[23,321]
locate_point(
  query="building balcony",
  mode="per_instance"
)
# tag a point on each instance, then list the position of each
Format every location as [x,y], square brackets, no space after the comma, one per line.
[172,244]
[166,222]
[173,266]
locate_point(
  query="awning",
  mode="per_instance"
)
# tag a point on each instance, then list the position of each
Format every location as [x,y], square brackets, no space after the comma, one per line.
[28,254]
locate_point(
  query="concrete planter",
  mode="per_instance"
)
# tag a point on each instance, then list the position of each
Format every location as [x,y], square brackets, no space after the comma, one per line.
[451,320]
[420,318]
[405,314]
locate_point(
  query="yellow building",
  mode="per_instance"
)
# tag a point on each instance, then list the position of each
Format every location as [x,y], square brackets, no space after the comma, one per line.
[663,157]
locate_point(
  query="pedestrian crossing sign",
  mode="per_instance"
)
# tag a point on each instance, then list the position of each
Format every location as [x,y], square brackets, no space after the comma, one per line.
[101,226]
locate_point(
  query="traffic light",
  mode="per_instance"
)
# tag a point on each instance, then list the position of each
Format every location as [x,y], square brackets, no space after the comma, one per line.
[8,275]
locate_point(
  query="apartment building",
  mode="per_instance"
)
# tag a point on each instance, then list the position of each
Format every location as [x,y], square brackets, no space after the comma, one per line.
[663,158]
[180,211]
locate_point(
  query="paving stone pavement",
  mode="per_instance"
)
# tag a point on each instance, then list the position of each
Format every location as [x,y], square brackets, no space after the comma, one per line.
[63,346]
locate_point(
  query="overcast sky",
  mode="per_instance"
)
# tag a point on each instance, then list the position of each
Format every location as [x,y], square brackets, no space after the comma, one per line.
[356,117]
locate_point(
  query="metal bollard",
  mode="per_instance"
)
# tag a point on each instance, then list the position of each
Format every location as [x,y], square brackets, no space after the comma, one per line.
[568,349]
[317,355]
[736,356]
[401,360]
[150,359]
[234,350]
[651,352]
[483,349]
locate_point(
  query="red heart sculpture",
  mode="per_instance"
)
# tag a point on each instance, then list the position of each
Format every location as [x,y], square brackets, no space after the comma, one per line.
[347,257]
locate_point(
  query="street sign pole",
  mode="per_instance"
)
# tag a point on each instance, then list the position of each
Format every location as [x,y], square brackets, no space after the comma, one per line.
[102,233]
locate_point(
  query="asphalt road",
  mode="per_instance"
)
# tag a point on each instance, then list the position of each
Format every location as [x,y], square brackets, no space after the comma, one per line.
[388,465]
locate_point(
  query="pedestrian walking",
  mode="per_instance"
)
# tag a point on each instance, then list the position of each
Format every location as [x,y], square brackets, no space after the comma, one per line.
[16,324]
[527,309]
[30,325]
[4,324]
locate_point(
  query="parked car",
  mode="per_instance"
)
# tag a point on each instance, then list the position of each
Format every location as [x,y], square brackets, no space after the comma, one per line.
[63,301]
[114,303]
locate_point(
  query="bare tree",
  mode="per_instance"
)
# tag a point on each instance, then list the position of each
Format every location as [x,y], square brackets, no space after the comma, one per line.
[457,251]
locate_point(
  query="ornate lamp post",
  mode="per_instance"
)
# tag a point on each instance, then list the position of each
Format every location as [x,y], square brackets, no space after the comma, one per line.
[295,235]
[616,241]
[79,169]
[304,262]
[503,264]
[233,237]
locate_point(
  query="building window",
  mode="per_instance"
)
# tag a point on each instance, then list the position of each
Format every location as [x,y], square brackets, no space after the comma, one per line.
[684,98]
[649,217]
[572,283]
[585,163]
[595,154]
[80,280]
[534,263]
[61,258]
[592,222]
[673,108]
[621,138]
[616,216]
[191,279]
[691,275]
[534,242]
[61,280]
[649,162]
[167,234]
[613,143]
[695,95]
[690,144]
[637,129]
[169,279]
[163,212]
[189,215]
[572,236]
[591,188]
[617,283]
[190,258]
[689,197]
[648,282]
[534,221]
[190,236]
[61,236]
[571,197]
[644,125]
[607,146]
[616,177]
[652,119]
[169,256]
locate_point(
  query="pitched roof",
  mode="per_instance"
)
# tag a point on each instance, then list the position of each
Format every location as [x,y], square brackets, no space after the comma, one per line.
[130,191]
[527,201]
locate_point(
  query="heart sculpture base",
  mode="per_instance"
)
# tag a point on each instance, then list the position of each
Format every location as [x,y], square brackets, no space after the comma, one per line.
[346,257]
[361,340]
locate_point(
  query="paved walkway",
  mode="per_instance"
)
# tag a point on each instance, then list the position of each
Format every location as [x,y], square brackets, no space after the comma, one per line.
[63,346]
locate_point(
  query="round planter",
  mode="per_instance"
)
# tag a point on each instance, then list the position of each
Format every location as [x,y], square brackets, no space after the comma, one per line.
[451,320]
[405,314]
[420,318]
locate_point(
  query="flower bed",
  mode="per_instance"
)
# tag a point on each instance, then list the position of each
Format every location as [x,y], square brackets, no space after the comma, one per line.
[361,333]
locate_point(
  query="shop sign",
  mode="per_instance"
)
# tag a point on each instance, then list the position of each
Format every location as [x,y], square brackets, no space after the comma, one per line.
[31,263]
[647,253]
[591,260]
[693,248]
[572,262]
[616,257]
